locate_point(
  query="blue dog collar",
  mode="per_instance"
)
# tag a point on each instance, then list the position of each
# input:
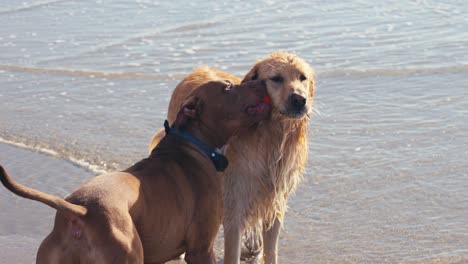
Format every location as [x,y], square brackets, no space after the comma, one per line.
[220,161]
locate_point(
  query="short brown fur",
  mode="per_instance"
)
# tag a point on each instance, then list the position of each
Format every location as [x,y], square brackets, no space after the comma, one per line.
[164,205]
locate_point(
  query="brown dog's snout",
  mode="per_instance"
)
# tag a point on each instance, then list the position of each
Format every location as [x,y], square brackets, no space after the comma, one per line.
[297,101]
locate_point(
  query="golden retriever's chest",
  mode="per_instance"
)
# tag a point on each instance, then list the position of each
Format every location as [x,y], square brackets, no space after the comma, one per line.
[272,155]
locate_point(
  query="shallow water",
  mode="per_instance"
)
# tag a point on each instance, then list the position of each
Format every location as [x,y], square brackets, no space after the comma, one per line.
[89,82]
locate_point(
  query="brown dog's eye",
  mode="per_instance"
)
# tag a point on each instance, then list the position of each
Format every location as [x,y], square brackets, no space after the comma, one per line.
[303,78]
[277,79]
[254,77]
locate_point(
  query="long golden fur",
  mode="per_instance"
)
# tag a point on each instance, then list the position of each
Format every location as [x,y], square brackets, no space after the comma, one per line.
[267,163]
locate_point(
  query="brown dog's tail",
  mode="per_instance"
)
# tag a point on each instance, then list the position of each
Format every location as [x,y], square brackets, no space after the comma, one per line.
[51,200]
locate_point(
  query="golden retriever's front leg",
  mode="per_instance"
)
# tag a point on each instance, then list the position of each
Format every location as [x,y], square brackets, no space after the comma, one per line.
[270,243]
[232,242]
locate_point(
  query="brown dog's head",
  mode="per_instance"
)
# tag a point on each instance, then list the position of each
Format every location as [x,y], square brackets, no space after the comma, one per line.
[290,83]
[217,110]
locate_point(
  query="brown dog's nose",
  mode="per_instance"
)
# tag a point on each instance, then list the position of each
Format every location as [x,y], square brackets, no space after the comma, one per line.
[297,101]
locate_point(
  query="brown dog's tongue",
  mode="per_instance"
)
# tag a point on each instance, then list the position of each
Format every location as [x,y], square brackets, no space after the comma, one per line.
[252,110]
[267,99]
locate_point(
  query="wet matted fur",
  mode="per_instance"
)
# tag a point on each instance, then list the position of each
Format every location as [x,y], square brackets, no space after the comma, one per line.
[267,163]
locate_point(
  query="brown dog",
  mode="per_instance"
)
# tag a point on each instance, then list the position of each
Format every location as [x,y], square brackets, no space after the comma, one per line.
[266,164]
[164,205]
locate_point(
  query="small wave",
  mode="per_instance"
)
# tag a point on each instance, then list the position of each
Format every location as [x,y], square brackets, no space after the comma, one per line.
[143,36]
[26,7]
[90,74]
[393,72]
[455,259]
[192,26]
[140,76]
[80,162]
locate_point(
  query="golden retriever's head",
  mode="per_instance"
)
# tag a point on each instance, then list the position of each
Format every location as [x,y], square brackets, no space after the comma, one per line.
[290,83]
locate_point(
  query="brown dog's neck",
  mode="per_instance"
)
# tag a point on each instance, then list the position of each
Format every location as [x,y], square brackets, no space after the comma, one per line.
[207,136]
[198,140]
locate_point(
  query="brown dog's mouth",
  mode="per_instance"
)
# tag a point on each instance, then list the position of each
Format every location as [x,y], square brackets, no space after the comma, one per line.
[261,107]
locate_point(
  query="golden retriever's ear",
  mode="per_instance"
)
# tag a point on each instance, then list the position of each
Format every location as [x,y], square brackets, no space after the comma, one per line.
[312,84]
[252,74]
[189,110]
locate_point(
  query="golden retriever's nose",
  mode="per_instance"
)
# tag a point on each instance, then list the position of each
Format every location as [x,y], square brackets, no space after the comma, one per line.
[297,101]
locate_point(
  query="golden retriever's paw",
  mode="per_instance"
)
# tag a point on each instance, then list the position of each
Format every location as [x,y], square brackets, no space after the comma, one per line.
[252,248]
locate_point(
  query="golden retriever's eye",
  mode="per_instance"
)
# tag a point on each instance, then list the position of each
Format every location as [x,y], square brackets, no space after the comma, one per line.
[277,79]
[303,78]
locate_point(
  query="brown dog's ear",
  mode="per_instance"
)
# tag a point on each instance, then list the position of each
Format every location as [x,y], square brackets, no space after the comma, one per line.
[251,75]
[189,110]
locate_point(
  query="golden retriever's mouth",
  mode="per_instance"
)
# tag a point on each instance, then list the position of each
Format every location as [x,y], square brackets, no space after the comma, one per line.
[295,114]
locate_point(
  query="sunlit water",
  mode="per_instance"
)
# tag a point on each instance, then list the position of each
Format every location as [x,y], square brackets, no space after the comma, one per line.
[387,178]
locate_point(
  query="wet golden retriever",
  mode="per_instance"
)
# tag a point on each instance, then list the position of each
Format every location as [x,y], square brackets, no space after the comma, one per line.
[266,164]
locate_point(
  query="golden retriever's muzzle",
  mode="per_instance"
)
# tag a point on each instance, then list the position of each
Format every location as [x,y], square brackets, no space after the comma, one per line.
[296,106]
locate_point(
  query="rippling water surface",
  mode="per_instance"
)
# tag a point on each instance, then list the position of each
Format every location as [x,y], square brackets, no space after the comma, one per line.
[387,178]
